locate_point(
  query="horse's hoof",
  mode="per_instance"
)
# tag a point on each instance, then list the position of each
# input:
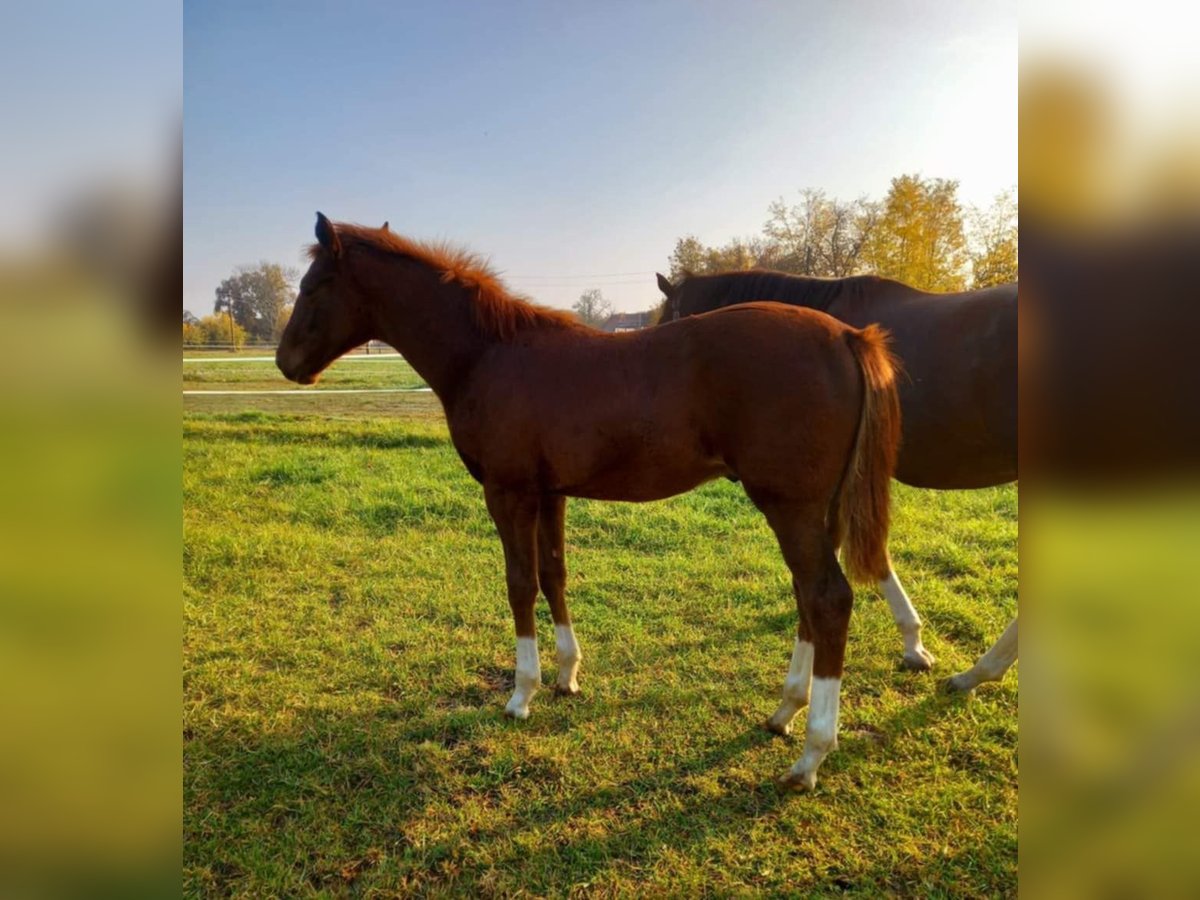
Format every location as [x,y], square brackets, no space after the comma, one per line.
[775,728]
[798,782]
[571,690]
[516,712]
[958,684]
[918,660]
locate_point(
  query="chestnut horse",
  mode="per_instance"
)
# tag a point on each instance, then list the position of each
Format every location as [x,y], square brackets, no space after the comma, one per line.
[803,409]
[958,396]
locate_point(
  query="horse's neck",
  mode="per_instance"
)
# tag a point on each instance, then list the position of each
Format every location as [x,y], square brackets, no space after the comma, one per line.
[810,293]
[865,302]
[429,321]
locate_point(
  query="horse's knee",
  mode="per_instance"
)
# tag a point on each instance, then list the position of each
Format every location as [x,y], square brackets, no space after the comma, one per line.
[522,588]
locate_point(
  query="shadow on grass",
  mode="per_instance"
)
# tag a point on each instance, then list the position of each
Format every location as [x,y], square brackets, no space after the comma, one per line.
[649,814]
[291,806]
[259,807]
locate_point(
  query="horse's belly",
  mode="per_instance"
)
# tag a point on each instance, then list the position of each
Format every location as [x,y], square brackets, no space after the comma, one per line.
[639,483]
[950,464]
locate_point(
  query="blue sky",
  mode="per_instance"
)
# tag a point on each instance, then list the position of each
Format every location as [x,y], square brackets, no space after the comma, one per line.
[572,143]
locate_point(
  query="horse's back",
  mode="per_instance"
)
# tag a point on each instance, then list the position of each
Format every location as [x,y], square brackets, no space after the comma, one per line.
[959,393]
[762,389]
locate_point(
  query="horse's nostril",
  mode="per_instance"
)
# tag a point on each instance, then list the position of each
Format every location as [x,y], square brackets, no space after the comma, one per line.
[285,365]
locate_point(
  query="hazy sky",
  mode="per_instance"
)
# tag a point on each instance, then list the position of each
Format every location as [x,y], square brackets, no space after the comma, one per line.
[572,143]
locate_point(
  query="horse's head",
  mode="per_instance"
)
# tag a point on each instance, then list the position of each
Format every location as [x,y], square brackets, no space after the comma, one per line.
[683,299]
[330,316]
[669,311]
[693,295]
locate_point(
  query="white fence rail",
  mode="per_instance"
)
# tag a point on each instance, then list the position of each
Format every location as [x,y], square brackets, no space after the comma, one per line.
[366,349]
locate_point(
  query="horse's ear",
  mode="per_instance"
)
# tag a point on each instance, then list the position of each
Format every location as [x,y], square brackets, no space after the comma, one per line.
[385,227]
[664,285]
[327,236]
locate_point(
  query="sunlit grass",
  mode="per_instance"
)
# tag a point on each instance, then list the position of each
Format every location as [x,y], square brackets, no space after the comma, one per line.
[255,373]
[348,652]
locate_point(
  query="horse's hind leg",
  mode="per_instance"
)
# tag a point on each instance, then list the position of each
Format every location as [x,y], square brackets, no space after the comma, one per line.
[516,518]
[823,600]
[796,685]
[991,666]
[916,657]
[552,575]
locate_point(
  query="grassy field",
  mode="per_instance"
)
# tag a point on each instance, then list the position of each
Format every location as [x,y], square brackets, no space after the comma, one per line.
[348,652]
[258,373]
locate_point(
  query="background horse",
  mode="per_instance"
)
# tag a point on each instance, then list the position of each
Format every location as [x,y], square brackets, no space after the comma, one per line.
[958,396]
[800,407]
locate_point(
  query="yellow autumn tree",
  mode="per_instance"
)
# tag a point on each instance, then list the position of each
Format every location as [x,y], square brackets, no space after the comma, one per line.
[220,332]
[994,242]
[193,334]
[918,238]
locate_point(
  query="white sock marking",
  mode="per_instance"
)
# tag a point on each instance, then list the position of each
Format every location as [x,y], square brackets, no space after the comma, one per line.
[528,678]
[821,733]
[907,620]
[795,686]
[568,658]
[993,664]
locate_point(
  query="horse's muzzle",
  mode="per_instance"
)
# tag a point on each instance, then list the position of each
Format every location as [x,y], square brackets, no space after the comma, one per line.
[291,372]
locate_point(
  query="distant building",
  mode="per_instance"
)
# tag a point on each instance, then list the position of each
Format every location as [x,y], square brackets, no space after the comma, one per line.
[626,321]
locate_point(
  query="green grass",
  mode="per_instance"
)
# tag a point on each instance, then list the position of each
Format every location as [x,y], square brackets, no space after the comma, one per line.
[253,373]
[348,652]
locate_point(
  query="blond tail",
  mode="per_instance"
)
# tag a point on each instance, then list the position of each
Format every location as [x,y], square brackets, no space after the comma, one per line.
[862,508]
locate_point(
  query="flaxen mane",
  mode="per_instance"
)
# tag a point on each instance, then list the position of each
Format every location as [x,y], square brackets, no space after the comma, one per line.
[498,312]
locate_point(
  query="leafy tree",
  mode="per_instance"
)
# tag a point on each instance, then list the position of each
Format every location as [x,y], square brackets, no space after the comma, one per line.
[918,238]
[217,330]
[994,242]
[259,299]
[740,253]
[688,256]
[819,236]
[592,308]
[193,334]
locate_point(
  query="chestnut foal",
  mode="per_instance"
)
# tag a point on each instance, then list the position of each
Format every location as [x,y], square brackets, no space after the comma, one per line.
[800,407]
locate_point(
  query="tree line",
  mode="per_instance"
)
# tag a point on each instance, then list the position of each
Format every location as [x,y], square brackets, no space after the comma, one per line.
[920,234]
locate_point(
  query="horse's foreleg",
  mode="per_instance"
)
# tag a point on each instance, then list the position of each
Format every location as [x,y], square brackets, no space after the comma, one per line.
[552,575]
[992,665]
[516,516]
[916,657]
